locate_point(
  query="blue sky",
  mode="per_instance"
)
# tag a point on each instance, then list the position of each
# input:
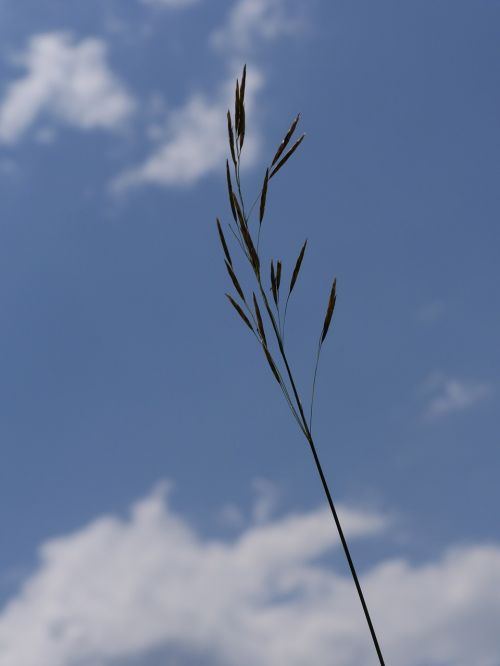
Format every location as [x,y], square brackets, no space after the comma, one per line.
[146,449]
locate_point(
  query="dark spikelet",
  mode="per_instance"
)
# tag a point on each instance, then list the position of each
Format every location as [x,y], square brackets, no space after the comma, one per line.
[234,280]
[263,197]
[239,214]
[296,270]
[272,364]
[278,276]
[329,310]
[254,257]
[243,82]
[230,190]
[240,311]
[224,244]
[255,261]
[231,137]
[274,285]
[242,123]
[287,138]
[247,238]
[287,156]
[260,323]
[237,108]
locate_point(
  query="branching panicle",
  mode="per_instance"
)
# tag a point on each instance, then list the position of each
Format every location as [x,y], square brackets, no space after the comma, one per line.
[281,371]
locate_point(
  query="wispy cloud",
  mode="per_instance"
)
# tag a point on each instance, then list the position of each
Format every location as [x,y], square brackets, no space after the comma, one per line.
[266,500]
[120,589]
[194,142]
[452,395]
[252,22]
[430,312]
[67,80]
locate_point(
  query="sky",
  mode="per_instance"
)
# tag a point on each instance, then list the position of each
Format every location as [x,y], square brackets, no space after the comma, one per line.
[159,504]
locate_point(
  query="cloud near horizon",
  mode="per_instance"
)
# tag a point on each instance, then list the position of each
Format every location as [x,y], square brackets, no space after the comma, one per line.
[68,81]
[120,590]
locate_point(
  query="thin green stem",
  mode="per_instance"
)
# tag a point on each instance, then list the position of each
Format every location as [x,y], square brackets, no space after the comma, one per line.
[314,385]
[289,401]
[347,554]
[284,316]
[253,205]
[327,491]
[240,242]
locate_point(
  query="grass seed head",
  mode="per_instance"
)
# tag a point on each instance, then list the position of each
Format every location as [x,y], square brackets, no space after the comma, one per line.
[231,137]
[278,276]
[230,190]
[287,138]
[260,323]
[296,270]
[235,282]
[237,208]
[263,197]
[241,124]
[224,244]
[274,285]
[287,156]
[240,311]
[329,309]
[272,364]
[237,108]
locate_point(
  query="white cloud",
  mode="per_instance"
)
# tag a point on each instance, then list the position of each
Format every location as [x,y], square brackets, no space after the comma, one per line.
[195,141]
[453,395]
[266,500]
[253,21]
[120,589]
[67,80]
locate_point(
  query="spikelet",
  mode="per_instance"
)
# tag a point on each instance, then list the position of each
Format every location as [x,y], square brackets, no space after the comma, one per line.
[296,270]
[223,243]
[263,197]
[260,323]
[329,309]
[278,277]
[272,364]
[235,282]
[287,156]
[230,190]
[285,141]
[231,137]
[274,285]
[240,311]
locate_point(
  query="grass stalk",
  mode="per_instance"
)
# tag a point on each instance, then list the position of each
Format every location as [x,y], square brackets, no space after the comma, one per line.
[252,253]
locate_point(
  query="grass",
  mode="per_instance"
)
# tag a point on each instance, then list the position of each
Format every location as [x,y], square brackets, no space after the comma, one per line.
[264,316]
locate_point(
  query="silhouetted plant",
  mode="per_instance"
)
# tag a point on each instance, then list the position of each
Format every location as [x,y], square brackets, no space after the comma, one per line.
[248,308]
